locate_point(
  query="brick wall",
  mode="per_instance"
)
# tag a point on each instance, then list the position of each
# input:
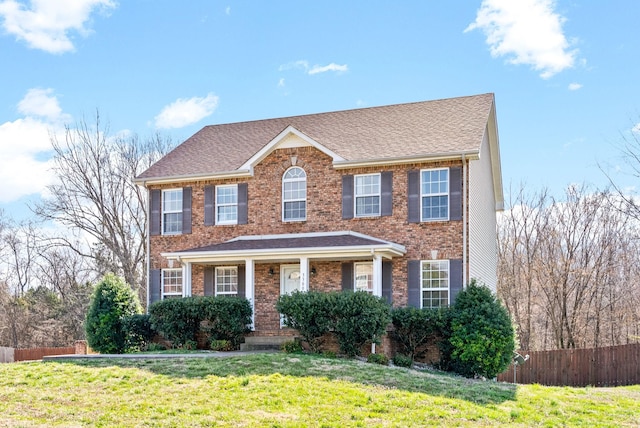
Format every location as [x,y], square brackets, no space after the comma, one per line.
[324,213]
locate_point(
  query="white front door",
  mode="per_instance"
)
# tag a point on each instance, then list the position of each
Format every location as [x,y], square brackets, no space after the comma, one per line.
[289,279]
[289,282]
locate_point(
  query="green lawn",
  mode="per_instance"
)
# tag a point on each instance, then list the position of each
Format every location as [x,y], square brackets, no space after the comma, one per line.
[284,390]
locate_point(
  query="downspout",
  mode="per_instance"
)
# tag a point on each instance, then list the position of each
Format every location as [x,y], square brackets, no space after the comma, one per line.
[148,245]
[464,221]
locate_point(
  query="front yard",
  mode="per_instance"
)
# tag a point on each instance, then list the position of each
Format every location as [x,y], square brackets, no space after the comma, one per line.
[287,390]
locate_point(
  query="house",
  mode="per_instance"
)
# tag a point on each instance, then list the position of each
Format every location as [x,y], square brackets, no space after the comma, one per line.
[399,201]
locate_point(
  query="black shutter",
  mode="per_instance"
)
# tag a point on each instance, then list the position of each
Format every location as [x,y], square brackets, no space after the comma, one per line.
[155,286]
[413,283]
[387,278]
[243,197]
[347,197]
[455,193]
[455,279]
[186,210]
[413,196]
[209,205]
[209,281]
[242,286]
[155,202]
[386,193]
[347,276]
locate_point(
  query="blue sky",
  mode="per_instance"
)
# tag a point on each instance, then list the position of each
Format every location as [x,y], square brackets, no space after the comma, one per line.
[564,73]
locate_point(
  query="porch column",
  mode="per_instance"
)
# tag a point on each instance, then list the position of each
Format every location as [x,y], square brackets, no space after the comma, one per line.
[377,275]
[304,274]
[186,279]
[250,288]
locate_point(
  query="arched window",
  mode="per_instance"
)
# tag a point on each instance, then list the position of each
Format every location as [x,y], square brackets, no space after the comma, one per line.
[294,195]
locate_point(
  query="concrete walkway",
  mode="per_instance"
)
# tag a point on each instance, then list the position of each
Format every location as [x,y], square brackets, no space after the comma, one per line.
[141,356]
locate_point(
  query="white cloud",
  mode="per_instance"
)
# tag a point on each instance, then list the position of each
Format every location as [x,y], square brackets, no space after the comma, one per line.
[636,129]
[228,10]
[183,111]
[316,69]
[331,67]
[281,83]
[575,86]
[526,32]
[25,145]
[47,24]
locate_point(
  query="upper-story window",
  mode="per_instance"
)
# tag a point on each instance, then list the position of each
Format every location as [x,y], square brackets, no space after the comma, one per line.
[363,276]
[434,194]
[227,204]
[435,283]
[171,283]
[294,195]
[367,195]
[171,211]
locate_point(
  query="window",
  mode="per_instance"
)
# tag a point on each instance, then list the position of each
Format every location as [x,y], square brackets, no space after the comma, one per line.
[171,211]
[294,195]
[227,204]
[435,194]
[435,283]
[226,280]
[367,195]
[364,276]
[171,283]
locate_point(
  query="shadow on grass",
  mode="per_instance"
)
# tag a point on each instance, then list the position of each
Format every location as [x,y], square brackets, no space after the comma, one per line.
[305,365]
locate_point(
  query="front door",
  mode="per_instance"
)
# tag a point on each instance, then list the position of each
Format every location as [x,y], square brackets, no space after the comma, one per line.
[289,282]
[289,279]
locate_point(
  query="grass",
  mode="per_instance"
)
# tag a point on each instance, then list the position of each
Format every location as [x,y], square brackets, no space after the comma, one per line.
[285,390]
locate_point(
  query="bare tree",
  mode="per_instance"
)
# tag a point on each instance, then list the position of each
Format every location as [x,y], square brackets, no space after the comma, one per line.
[96,196]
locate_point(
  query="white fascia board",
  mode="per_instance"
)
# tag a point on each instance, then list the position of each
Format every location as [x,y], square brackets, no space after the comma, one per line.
[280,253]
[272,145]
[195,177]
[494,150]
[469,154]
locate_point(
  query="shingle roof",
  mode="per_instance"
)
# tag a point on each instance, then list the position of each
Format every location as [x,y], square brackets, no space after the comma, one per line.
[448,126]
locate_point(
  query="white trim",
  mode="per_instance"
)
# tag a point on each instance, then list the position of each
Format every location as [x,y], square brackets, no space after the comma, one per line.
[448,195]
[284,201]
[239,173]
[217,222]
[250,288]
[448,288]
[356,196]
[215,282]
[346,164]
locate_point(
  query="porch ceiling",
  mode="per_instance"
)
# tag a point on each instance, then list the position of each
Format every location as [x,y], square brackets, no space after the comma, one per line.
[323,245]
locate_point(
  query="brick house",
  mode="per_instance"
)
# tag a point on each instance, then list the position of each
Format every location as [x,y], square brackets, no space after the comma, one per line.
[397,200]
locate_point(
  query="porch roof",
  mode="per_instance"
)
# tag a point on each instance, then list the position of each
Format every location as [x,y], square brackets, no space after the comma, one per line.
[319,245]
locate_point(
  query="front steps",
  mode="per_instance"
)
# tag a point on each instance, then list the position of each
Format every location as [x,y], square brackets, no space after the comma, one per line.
[261,343]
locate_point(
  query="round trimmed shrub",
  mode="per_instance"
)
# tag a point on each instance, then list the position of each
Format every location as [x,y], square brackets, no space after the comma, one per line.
[111,302]
[482,335]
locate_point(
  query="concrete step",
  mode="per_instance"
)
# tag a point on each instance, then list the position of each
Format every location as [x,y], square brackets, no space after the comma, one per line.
[259,343]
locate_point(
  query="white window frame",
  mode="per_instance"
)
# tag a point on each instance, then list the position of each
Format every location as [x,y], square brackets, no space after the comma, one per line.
[225,293]
[444,266]
[429,194]
[369,288]
[174,210]
[226,204]
[285,200]
[162,285]
[357,196]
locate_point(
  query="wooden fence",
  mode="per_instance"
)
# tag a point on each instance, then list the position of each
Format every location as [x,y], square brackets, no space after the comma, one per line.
[608,366]
[9,355]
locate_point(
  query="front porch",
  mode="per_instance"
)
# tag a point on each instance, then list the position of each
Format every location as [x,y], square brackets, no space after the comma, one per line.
[262,268]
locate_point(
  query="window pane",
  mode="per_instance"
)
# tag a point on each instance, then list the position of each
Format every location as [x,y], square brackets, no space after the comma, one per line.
[227,213]
[172,223]
[227,195]
[295,210]
[435,207]
[294,173]
[172,281]
[172,200]
[367,184]
[369,205]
